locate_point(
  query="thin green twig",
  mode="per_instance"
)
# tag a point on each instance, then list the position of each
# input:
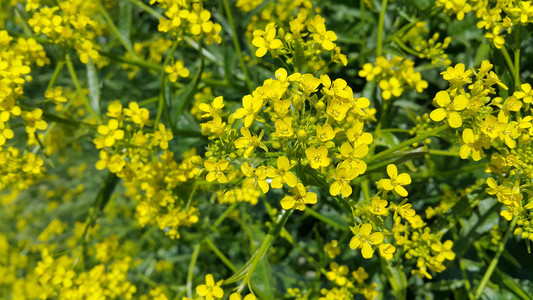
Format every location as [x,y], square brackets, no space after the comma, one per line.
[237,46]
[495,260]
[72,72]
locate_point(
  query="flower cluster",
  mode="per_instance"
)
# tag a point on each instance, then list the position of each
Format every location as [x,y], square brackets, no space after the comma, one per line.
[306,39]
[499,18]
[501,126]
[297,123]
[187,18]
[70,23]
[394,75]
[131,150]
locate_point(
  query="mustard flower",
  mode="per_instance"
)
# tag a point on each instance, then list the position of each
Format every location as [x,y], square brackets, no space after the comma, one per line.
[210,290]
[250,142]
[379,206]
[282,174]
[299,199]
[284,127]
[176,70]
[449,109]
[337,273]
[386,251]
[396,182]
[266,40]
[342,178]
[391,87]
[471,144]
[332,248]
[364,239]
[110,134]
[216,170]
[250,107]
[318,157]
[257,178]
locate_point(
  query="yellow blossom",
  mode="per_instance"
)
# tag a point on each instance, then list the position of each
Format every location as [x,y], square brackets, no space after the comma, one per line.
[449,109]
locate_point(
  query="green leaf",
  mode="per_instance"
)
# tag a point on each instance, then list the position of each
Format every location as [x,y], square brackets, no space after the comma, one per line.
[124,20]
[94,89]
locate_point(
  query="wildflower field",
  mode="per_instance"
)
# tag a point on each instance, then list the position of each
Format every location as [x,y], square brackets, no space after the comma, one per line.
[276,149]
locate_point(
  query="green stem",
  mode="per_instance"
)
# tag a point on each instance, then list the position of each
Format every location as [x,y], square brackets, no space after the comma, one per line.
[268,241]
[380,27]
[468,287]
[507,58]
[161,103]
[115,31]
[409,142]
[320,217]
[237,46]
[190,273]
[362,8]
[23,23]
[220,255]
[495,260]
[404,47]
[518,43]
[133,61]
[224,215]
[147,8]
[57,71]
[443,153]
[245,273]
[72,72]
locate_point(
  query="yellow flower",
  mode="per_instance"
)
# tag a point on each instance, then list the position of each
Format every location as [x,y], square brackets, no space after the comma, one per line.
[114,109]
[396,182]
[325,133]
[213,109]
[237,296]
[337,273]
[110,134]
[284,127]
[176,69]
[216,170]
[55,95]
[386,250]
[491,127]
[364,240]
[342,177]
[282,174]
[210,290]
[390,88]
[299,199]
[379,206]
[321,36]
[444,251]
[250,142]
[360,275]
[266,40]
[162,136]
[449,109]
[115,163]
[457,76]
[526,93]
[332,248]
[256,178]
[471,144]
[34,121]
[318,157]
[33,164]
[5,133]
[250,107]
[137,115]
[356,135]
